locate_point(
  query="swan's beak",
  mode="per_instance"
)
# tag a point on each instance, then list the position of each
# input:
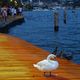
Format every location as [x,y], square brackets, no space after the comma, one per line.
[54,57]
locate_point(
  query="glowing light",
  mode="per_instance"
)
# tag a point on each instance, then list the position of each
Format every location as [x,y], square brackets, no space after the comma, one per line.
[15,2]
[11,0]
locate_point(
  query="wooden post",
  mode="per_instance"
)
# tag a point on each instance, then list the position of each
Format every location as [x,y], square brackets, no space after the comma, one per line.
[56,27]
[65,16]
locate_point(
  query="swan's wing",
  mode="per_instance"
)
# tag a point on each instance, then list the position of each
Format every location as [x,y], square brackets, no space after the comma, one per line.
[55,64]
[51,66]
[43,63]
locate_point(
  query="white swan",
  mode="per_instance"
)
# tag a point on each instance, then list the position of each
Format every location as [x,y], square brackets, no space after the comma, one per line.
[47,65]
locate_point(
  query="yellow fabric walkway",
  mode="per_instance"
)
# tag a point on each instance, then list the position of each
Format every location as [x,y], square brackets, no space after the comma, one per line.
[17,58]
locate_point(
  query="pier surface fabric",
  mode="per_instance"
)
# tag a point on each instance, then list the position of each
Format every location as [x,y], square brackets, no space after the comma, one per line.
[18,56]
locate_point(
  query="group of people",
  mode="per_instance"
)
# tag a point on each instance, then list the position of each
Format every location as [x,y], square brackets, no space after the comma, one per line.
[62,54]
[12,11]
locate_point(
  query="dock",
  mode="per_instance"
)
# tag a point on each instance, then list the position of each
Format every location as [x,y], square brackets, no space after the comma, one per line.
[18,56]
[10,22]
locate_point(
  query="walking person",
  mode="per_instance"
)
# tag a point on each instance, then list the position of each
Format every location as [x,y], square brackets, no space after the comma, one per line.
[15,12]
[55,51]
[20,10]
[4,14]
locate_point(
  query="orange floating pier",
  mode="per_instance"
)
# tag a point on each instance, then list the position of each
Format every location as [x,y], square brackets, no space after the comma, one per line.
[18,56]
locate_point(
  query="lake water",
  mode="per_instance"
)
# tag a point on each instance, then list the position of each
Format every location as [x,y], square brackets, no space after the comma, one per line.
[38,29]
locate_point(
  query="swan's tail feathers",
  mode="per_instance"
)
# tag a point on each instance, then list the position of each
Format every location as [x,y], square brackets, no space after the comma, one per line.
[34,65]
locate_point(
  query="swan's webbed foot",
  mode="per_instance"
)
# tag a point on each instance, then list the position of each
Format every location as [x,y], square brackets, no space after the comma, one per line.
[47,75]
[50,74]
[44,73]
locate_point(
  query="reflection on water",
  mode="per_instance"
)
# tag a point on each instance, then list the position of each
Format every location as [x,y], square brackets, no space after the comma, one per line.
[39,30]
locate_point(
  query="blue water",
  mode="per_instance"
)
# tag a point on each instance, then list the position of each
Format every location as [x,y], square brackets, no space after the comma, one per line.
[38,29]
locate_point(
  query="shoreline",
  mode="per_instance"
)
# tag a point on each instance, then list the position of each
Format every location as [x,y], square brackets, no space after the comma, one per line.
[11,22]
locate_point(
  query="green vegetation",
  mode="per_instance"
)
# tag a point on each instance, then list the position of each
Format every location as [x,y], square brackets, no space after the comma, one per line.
[1,2]
[10,2]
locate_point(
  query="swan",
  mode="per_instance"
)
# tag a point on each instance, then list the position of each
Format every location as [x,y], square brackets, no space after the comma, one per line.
[47,65]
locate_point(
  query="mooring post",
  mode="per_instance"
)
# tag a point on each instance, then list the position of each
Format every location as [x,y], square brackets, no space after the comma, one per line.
[56,26]
[65,15]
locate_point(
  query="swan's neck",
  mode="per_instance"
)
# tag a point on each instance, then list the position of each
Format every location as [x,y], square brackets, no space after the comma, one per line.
[51,56]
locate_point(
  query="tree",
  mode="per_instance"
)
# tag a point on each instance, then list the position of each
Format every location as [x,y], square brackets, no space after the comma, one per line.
[1,2]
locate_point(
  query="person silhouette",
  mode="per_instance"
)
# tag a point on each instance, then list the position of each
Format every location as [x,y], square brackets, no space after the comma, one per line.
[61,54]
[55,51]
